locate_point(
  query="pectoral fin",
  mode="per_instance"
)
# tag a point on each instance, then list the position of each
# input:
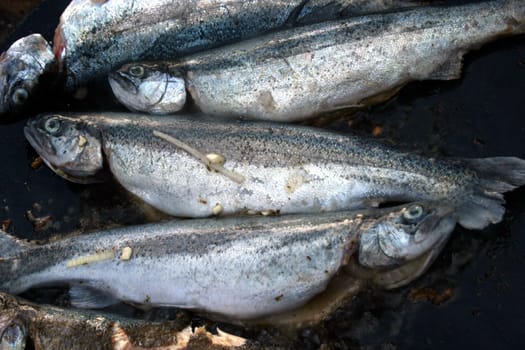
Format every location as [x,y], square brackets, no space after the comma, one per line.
[84,297]
[450,69]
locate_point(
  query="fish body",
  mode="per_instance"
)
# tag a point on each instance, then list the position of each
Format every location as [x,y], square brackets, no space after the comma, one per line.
[121,31]
[297,73]
[266,167]
[239,268]
[21,68]
[50,327]
[94,38]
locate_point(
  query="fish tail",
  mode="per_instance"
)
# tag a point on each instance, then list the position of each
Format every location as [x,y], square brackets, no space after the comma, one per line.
[10,248]
[496,176]
[516,9]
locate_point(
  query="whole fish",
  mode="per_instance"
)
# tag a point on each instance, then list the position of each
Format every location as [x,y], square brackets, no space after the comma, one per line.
[297,73]
[94,38]
[48,327]
[22,67]
[195,166]
[168,28]
[237,268]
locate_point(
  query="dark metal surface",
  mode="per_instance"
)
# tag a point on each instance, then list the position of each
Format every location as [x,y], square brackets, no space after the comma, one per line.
[480,115]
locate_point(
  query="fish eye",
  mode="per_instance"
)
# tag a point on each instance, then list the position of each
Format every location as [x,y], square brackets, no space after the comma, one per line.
[136,71]
[13,337]
[20,96]
[413,213]
[52,125]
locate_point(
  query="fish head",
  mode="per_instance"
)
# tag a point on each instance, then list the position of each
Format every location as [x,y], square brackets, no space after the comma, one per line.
[13,335]
[410,235]
[150,88]
[13,331]
[70,146]
[21,69]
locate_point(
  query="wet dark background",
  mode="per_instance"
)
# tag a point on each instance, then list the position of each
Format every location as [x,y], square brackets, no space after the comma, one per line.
[477,280]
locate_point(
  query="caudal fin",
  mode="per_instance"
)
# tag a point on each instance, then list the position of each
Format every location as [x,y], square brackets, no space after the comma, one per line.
[10,248]
[496,176]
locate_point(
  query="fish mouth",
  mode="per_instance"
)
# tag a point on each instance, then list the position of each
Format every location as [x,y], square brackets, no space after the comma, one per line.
[121,83]
[30,132]
[401,275]
[411,270]
[440,224]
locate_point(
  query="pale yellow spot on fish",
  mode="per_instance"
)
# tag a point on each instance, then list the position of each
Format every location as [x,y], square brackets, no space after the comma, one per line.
[265,100]
[60,173]
[270,212]
[296,180]
[90,259]
[217,209]
[82,141]
[215,158]
[293,183]
[126,253]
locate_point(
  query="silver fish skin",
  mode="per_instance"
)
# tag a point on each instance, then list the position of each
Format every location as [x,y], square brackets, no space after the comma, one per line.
[269,167]
[96,37]
[316,11]
[21,68]
[238,267]
[48,327]
[295,74]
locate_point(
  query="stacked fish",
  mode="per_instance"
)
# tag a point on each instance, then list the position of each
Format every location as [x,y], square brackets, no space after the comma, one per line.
[298,231]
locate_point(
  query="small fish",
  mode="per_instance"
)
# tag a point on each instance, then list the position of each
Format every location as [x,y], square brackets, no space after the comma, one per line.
[194,166]
[298,73]
[236,268]
[48,327]
[21,68]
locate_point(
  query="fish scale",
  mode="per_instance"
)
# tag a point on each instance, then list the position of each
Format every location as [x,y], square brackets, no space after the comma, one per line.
[169,28]
[95,37]
[297,73]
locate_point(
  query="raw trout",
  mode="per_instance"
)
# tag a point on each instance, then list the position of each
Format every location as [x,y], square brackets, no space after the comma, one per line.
[21,68]
[120,31]
[298,73]
[48,327]
[238,268]
[94,38]
[195,166]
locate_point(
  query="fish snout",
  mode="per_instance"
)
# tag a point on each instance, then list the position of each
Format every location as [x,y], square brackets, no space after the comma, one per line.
[121,81]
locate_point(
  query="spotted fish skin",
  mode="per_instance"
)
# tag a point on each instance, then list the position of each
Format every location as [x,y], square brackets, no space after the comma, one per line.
[269,167]
[238,267]
[298,73]
[95,37]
